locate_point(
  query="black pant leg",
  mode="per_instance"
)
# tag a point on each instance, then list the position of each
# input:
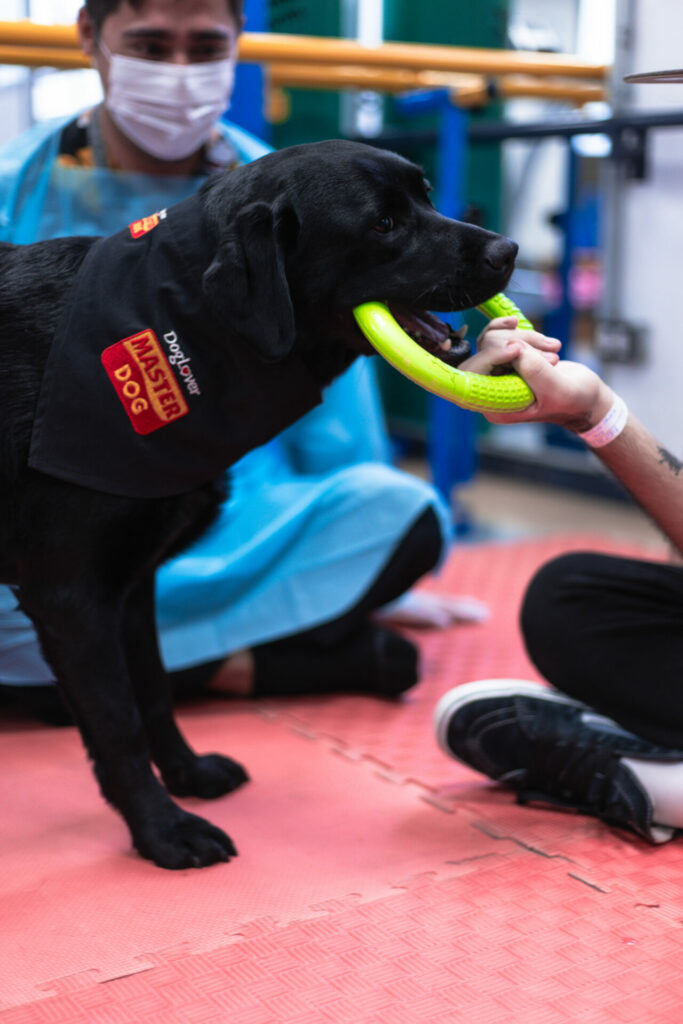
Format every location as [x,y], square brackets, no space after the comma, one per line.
[609,632]
[416,553]
[350,652]
[347,649]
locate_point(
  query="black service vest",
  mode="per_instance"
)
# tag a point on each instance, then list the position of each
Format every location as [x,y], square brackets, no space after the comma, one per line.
[144,394]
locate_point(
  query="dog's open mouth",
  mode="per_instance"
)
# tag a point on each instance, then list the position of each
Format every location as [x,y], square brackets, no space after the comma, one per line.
[433,335]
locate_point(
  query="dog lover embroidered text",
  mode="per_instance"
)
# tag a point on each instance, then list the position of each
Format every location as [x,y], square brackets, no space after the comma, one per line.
[179,359]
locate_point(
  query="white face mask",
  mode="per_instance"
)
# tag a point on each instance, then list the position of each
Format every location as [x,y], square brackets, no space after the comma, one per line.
[167,109]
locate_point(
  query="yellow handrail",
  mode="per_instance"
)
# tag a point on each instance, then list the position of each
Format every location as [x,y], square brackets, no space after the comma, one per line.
[467,89]
[261,47]
[27,33]
[417,56]
[43,57]
[550,89]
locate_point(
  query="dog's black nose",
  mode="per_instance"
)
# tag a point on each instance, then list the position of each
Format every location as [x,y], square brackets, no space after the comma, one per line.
[501,254]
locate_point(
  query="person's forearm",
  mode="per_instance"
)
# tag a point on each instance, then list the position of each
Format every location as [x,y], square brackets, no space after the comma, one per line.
[574,397]
[651,474]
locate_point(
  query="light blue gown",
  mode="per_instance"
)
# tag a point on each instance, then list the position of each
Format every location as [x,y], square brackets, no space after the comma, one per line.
[312,516]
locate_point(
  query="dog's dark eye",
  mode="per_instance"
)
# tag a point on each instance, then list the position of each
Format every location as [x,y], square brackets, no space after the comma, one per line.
[384,225]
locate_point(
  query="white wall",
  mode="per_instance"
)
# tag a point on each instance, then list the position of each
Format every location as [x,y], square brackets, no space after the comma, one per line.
[651,280]
[534,173]
[15,102]
[27,96]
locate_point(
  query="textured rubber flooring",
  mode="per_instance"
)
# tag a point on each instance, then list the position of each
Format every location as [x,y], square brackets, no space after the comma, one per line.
[377,880]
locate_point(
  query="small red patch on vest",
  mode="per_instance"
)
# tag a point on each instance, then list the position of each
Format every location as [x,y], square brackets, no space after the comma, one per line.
[144,381]
[141,227]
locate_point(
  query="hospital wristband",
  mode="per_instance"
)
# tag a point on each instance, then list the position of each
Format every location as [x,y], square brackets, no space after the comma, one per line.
[609,427]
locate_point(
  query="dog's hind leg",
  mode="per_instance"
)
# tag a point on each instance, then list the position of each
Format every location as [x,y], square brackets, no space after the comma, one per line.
[184,772]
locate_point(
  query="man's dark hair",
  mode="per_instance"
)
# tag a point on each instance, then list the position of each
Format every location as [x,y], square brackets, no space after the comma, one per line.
[99,10]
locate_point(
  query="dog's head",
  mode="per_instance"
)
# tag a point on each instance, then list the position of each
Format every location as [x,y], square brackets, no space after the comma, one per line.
[305,234]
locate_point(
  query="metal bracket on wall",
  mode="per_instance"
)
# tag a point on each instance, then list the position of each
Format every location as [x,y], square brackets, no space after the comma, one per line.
[617,341]
[628,132]
[630,148]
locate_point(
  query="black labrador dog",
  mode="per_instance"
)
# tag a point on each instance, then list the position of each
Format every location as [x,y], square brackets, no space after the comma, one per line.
[134,369]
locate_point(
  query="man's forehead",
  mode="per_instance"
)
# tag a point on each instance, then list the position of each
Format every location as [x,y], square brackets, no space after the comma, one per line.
[170,15]
[151,31]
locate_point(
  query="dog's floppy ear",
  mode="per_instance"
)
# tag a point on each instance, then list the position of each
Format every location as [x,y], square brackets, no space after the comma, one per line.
[246,284]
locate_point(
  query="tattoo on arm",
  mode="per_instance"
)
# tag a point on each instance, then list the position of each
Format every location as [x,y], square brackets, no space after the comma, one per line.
[670,460]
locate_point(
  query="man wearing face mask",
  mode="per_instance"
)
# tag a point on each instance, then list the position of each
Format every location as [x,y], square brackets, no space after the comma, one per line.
[319,530]
[161,106]
[167,69]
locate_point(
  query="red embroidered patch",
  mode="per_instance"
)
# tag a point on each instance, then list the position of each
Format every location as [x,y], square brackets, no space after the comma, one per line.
[141,227]
[144,381]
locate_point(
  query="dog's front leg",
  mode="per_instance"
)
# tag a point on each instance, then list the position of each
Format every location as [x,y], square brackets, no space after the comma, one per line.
[184,772]
[80,628]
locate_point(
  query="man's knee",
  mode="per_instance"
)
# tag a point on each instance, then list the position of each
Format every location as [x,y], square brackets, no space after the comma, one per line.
[424,542]
[555,603]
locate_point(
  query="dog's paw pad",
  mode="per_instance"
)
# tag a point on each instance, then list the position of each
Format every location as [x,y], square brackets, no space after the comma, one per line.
[208,776]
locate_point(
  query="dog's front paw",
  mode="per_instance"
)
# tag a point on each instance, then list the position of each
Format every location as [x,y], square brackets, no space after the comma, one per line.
[209,776]
[184,841]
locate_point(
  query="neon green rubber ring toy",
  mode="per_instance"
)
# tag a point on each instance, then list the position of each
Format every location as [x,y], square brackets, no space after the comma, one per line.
[507,393]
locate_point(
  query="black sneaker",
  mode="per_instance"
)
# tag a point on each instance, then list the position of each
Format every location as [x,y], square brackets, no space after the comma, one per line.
[552,750]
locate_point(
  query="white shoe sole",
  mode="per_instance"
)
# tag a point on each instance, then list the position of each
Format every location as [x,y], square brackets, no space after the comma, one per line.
[483,689]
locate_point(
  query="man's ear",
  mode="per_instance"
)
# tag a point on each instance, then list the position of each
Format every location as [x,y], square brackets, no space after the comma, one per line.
[86,32]
[246,284]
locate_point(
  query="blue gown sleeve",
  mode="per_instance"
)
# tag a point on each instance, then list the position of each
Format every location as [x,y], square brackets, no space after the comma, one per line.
[347,428]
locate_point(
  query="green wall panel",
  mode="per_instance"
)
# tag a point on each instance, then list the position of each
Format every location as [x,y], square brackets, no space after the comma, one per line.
[314,114]
[481,23]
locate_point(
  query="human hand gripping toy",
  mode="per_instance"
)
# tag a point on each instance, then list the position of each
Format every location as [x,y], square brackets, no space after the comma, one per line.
[470,385]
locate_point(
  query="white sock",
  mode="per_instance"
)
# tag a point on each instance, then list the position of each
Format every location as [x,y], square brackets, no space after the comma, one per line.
[663,782]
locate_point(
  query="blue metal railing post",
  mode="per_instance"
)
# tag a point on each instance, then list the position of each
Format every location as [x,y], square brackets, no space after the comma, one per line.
[451,430]
[247,105]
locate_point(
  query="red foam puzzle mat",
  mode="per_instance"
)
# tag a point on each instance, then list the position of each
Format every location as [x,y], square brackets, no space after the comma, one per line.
[377,880]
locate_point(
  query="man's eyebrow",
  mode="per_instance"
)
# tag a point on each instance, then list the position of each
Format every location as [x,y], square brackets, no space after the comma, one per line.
[145,32]
[210,33]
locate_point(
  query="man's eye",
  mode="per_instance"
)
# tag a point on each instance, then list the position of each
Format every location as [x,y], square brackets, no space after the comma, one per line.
[151,51]
[384,225]
[209,53]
